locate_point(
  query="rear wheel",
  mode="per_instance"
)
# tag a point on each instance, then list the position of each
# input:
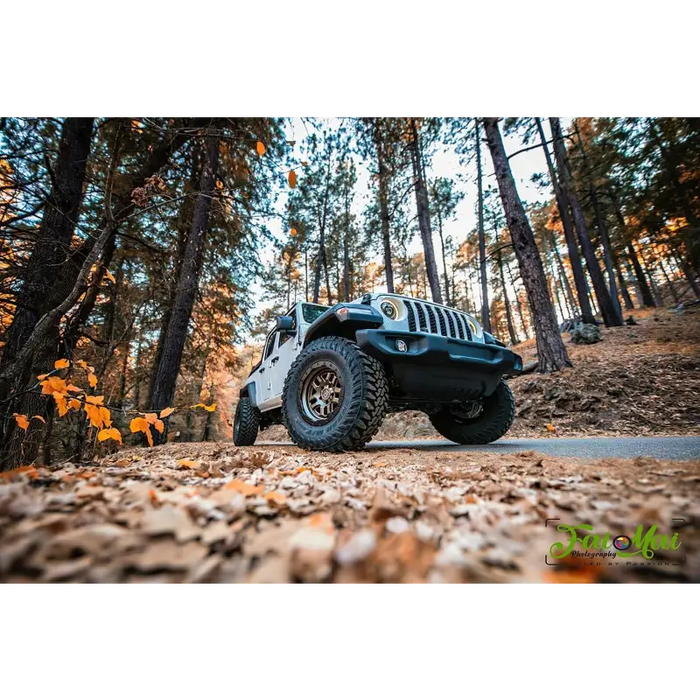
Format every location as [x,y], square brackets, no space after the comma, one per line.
[245,423]
[335,396]
[469,425]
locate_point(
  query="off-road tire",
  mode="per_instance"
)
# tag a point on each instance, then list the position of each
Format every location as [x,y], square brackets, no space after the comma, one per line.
[493,421]
[365,398]
[245,423]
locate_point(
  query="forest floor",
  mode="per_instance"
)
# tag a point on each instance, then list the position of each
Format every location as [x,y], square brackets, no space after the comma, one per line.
[639,380]
[212,512]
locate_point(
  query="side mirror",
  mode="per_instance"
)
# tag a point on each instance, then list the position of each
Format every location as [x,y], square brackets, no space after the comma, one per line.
[285,323]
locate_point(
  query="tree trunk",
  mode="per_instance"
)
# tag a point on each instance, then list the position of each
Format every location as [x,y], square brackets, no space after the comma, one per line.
[647,297]
[485,308]
[188,283]
[669,283]
[53,242]
[569,235]
[184,223]
[626,298]
[509,317]
[518,303]
[611,316]
[444,259]
[602,225]
[384,207]
[346,268]
[33,343]
[571,304]
[551,350]
[424,214]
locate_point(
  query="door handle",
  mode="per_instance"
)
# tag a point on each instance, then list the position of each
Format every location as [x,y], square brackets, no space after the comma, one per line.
[274,360]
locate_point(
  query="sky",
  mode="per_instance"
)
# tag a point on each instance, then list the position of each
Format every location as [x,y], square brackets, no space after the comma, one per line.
[444,163]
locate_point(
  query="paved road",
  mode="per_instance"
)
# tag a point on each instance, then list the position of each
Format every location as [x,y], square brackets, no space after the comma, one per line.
[590,448]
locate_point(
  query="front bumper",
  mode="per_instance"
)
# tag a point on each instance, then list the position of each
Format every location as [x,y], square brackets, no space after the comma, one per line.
[436,368]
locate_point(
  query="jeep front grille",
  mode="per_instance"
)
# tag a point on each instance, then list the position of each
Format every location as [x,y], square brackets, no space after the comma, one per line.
[429,318]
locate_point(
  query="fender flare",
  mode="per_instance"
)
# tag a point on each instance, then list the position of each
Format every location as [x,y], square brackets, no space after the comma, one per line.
[343,320]
[249,391]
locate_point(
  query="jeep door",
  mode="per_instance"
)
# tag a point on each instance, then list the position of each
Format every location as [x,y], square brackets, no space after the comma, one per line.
[265,371]
[286,350]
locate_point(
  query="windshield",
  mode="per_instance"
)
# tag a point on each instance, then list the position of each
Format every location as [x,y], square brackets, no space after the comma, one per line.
[312,311]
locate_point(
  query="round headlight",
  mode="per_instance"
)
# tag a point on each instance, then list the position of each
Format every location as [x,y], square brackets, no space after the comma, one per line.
[389,309]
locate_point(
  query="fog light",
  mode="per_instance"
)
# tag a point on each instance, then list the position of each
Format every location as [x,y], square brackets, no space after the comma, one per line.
[401,345]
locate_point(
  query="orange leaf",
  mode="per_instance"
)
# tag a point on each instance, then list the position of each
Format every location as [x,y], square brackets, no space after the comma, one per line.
[275,497]
[95,400]
[52,384]
[74,404]
[166,412]
[93,413]
[151,417]
[105,416]
[292,179]
[42,376]
[92,380]
[22,421]
[245,489]
[188,463]
[260,148]
[109,434]
[110,277]
[62,364]
[153,497]
[159,426]
[149,437]
[41,418]
[138,425]
[61,403]
[550,428]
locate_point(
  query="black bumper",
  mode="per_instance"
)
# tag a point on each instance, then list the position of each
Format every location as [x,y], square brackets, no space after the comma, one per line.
[435,368]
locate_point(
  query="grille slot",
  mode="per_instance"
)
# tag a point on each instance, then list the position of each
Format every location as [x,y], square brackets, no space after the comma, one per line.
[431,319]
[411,316]
[422,323]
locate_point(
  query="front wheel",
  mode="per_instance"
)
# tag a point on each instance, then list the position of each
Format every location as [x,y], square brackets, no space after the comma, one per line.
[245,423]
[335,396]
[468,427]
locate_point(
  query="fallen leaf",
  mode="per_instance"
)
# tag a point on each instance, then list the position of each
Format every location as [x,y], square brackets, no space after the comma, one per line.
[61,364]
[243,488]
[275,497]
[188,463]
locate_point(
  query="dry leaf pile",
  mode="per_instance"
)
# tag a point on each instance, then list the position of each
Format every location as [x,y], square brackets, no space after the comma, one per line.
[212,512]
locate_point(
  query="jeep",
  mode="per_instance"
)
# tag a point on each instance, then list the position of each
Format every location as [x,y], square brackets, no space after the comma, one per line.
[331,374]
